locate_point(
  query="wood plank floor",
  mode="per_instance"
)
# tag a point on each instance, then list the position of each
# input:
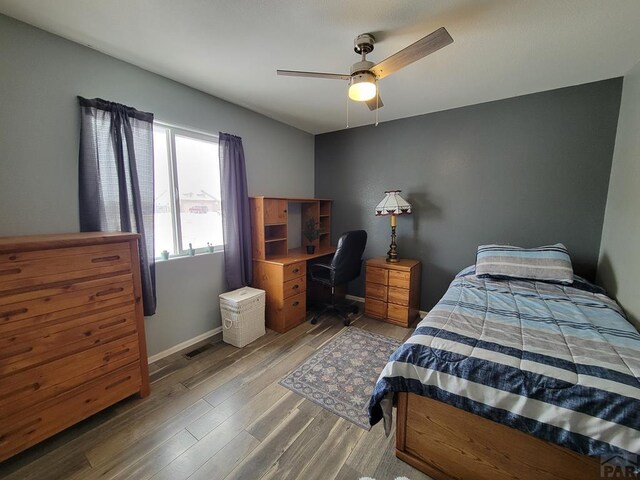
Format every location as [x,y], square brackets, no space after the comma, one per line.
[222,415]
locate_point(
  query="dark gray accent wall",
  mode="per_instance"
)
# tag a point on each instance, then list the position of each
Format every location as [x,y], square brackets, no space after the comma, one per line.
[527,171]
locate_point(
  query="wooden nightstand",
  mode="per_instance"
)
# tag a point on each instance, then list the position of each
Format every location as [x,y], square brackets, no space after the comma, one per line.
[393,290]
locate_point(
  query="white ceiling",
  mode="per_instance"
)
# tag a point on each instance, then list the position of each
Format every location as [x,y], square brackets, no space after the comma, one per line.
[231,49]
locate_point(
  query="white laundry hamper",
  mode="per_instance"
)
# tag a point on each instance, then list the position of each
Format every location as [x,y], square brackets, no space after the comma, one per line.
[242,315]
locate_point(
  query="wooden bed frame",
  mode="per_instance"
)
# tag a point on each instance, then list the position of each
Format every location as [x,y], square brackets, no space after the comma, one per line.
[447,443]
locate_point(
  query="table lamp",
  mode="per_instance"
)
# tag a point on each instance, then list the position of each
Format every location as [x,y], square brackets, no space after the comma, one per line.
[393,204]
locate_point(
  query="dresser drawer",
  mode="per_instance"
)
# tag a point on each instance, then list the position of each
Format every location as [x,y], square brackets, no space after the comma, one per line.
[399,279]
[375,308]
[41,421]
[16,309]
[377,275]
[294,270]
[295,309]
[399,296]
[295,286]
[27,269]
[42,382]
[31,347]
[376,291]
[398,314]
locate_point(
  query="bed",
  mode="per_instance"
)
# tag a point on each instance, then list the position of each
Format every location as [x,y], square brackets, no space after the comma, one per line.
[509,378]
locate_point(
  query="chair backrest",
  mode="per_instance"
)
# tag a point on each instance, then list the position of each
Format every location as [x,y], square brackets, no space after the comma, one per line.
[347,261]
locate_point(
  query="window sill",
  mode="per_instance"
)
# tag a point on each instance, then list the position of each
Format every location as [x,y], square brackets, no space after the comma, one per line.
[186,255]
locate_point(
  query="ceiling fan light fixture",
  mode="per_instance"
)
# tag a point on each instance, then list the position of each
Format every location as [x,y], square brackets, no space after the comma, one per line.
[362,87]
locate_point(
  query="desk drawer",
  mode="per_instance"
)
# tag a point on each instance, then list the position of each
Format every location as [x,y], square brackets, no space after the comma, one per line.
[295,286]
[294,270]
[399,296]
[376,291]
[295,309]
[399,279]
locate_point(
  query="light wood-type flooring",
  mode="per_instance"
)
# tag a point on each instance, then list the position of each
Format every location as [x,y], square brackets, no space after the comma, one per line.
[222,415]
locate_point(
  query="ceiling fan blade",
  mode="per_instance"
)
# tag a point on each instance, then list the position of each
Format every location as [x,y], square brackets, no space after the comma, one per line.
[423,47]
[373,105]
[331,76]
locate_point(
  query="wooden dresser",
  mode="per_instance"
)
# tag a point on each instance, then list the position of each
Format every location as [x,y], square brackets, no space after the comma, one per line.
[281,272]
[71,332]
[392,291]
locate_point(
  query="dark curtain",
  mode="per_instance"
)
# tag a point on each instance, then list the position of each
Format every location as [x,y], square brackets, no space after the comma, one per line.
[116,179]
[236,221]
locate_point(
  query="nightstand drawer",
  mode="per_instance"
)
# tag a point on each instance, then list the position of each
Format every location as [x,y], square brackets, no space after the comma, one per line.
[377,275]
[398,314]
[295,286]
[398,296]
[375,308]
[294,270]
[376,291]
[399,279]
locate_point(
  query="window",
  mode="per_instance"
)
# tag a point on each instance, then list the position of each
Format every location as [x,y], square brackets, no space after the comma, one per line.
[187,190]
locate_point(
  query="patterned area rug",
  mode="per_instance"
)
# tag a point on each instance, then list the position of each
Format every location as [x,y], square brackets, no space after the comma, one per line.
[341,375]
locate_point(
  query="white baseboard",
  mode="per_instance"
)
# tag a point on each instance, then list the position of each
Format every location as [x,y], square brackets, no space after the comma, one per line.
[185,344]
[361,300]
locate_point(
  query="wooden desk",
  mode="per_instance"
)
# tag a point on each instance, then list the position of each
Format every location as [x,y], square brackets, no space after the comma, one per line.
[278,270]
[284,279]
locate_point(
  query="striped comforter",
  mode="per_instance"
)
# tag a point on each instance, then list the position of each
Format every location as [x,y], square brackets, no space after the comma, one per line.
[559,362]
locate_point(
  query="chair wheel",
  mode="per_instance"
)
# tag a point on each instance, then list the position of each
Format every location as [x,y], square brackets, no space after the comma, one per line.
[314,320]
[347,322]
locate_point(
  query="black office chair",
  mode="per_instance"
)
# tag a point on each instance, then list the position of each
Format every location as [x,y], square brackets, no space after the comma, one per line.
[344,267]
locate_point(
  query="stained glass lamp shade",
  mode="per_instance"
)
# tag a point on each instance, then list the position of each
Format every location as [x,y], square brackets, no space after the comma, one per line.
[393,204]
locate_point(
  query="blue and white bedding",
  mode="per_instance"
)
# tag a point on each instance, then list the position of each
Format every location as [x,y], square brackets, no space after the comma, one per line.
[559,362]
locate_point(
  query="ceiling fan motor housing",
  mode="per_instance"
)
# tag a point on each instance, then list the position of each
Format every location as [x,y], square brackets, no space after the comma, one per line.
[364,43]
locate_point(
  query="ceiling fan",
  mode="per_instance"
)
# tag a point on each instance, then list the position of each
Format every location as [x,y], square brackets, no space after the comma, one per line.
[365,74]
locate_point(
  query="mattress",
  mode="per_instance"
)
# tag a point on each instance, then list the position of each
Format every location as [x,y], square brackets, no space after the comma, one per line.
[555,361]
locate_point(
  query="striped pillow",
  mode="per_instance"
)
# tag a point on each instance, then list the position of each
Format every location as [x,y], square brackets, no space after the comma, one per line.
[549,264]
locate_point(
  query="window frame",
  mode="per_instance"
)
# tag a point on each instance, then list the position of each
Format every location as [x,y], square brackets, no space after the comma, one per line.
[174,189]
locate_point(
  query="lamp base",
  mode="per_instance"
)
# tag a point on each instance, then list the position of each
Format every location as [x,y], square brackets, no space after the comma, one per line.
[392,254]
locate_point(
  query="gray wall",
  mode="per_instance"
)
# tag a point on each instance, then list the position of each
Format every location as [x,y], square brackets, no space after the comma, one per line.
[619,265]
[41,75]
[527,171]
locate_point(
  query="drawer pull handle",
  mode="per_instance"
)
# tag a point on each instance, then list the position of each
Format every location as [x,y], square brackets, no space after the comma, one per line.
[11,271]
[296,270]
[111,324]
[11,313]
[110,355]
[112,258]
[295,287]
[118,382]
[296,303]
[109,291]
